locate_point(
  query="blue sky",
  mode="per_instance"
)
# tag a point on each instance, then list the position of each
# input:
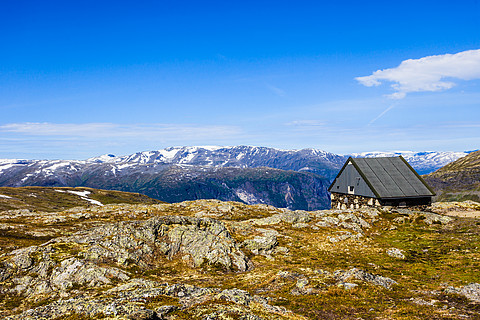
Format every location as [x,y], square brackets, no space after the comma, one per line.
[80,79]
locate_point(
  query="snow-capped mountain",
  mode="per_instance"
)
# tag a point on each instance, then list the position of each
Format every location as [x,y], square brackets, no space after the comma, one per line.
[241,173]
[312,160]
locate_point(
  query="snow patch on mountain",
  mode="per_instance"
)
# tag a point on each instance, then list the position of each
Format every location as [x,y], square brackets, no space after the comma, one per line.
[11,163]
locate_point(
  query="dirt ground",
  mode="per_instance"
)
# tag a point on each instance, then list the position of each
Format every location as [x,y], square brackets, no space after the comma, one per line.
[464,213]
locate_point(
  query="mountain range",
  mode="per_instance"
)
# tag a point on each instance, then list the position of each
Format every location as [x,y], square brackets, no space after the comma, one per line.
[294,179]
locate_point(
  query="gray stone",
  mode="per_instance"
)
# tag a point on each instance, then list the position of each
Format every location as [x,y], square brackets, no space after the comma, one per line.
[145,314]
[347,285]
[164,310]
[259,245]
[470,291]
[354,273]
[396,253]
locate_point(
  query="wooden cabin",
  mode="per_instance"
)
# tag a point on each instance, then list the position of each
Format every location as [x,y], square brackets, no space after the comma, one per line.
[375,182]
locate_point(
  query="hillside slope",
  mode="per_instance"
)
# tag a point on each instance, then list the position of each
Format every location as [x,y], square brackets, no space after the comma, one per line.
[54,199]
[459,180]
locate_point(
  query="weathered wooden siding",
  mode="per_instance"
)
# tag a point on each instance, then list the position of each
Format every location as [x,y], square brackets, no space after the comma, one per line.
[351,177]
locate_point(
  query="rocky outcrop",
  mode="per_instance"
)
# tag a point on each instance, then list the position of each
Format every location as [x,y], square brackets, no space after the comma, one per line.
[80,260]
[286,216]
[262,244]
[128,302]
[344,276]
[197,240]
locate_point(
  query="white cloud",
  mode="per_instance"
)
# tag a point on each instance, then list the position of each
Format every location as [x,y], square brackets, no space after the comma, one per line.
[306,123]
[170,132]
[432,73]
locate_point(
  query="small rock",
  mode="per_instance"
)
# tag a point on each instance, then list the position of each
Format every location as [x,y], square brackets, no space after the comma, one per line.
[301,283]
[470,291]
[358,274]
[300,225]
[396,253]
[164,310]
[260,245]
[146,314]
[347,285]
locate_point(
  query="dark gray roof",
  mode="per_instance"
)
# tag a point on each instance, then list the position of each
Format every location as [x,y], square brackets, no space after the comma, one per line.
[391,177]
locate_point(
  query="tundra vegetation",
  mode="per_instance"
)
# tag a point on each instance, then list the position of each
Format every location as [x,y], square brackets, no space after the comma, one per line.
[208,259]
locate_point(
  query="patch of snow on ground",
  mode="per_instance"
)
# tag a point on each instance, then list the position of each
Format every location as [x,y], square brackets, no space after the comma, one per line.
[83,195]
[80,193]
[98,203]
[5,197]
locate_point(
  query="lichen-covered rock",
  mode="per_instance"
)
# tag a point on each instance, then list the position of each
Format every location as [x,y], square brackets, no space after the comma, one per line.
[431,218]
[396,253]
[351,221]
[470,291]
[85,259]
[260,245]
[208,244]
[73,271]
[354,273]
[124,303]
[145,314]
[203,240]
[286,216]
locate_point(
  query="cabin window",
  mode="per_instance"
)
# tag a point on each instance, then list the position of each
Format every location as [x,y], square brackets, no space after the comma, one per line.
[351,189]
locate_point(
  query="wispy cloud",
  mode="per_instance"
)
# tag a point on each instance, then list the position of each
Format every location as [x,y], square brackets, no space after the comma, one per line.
[306,123]
[279,92]
[428,73]
[173,132]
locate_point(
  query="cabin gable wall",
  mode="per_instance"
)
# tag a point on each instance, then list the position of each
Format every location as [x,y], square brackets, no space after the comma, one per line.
[351,182]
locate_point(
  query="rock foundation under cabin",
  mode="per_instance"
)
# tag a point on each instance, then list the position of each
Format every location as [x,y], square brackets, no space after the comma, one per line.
[351,201]
[342,201]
